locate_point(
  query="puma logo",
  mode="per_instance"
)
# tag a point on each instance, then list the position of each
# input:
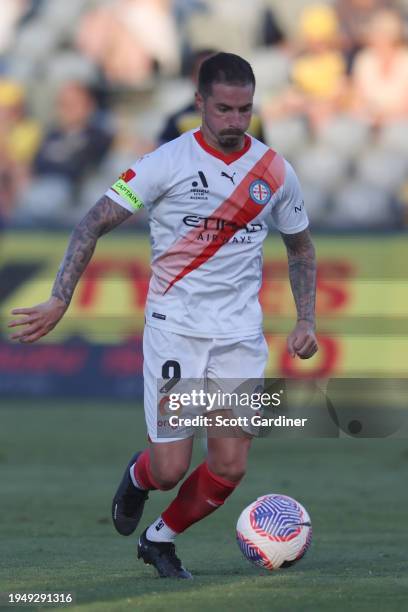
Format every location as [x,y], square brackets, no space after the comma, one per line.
[231,178]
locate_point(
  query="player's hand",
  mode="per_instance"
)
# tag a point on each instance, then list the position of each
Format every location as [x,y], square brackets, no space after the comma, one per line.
[38,320]
[302,341]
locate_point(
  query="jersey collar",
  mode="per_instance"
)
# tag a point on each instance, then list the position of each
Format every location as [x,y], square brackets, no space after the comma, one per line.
[227,158]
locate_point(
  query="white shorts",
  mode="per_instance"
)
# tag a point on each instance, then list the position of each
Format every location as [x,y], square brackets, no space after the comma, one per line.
[172,359]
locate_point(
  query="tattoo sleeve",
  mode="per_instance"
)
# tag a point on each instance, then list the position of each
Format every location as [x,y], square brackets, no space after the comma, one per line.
[103,217]
[302,273]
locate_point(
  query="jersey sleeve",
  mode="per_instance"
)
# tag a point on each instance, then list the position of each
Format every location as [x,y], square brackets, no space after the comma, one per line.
[289,213]
[143,183]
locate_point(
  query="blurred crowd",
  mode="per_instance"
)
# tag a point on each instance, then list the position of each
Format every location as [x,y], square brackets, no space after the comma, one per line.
[86,86]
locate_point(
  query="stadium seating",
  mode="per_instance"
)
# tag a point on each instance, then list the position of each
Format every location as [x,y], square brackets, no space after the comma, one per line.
[344,158]
[288,136]
[171,94]
[360,205]
[271,69]
[394,137]
[322,166]
[346,135]
[70,66]
[63,16]
[46,204]
[35,42]
[317,204]
[383,169]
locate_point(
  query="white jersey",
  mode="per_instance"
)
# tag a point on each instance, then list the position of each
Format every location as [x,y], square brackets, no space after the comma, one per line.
[207,214]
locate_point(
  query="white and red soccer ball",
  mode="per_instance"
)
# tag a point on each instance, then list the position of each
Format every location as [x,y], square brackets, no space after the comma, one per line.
[274,531]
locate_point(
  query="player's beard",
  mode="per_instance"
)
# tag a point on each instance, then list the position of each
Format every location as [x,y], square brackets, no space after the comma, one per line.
[230,139]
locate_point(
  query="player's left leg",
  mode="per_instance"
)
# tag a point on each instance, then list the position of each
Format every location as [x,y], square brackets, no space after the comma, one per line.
[209,485]
[228,456]
[204,491]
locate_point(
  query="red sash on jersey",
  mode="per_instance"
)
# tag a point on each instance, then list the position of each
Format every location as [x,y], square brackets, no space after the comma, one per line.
[188,253]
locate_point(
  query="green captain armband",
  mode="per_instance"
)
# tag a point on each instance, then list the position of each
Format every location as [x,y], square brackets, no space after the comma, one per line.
[123,189]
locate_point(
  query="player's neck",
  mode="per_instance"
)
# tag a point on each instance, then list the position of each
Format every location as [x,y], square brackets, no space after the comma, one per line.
[213,142]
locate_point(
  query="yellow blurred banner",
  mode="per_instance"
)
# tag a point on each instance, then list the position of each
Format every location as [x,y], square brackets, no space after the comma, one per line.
[362,298]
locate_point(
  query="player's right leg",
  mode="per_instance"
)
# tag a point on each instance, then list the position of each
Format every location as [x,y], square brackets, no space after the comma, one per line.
[171,361]
[164,463]
[168,464]
[160,466]
[128,502]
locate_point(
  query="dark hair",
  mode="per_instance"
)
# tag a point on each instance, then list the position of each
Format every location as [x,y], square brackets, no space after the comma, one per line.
[224,68]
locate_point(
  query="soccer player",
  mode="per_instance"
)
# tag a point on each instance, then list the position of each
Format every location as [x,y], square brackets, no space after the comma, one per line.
[209,194]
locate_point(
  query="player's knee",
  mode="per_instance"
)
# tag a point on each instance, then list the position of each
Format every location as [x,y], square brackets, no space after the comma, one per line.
[168,476]
[232,471]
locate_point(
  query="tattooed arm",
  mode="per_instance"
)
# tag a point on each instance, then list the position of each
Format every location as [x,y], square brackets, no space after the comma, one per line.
[302,276]
[102,218]
[41,319]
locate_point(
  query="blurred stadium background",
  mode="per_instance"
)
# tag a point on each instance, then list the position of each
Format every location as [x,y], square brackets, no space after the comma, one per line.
[87,86]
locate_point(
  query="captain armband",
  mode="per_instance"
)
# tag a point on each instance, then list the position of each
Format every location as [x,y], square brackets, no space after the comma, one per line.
[122,188]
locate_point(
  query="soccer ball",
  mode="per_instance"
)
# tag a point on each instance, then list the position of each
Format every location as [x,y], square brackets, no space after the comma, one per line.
[274,531]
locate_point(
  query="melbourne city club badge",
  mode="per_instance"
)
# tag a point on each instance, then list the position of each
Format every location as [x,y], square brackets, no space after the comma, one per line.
[260,192]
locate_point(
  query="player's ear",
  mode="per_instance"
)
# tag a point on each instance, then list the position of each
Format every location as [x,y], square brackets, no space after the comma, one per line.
[199,101]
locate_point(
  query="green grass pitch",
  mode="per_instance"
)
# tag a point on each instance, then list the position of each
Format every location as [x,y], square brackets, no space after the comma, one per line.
[60,463]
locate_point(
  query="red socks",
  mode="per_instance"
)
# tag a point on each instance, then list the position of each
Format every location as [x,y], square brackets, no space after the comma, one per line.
[142,471]
[199,495]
